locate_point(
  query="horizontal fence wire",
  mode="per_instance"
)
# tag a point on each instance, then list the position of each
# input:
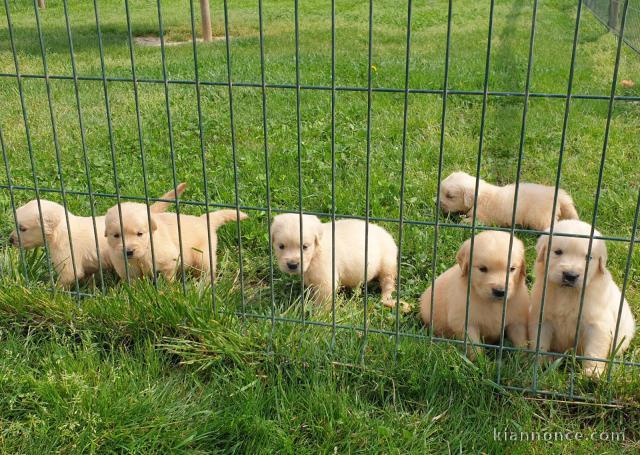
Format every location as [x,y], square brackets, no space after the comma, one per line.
[619,15]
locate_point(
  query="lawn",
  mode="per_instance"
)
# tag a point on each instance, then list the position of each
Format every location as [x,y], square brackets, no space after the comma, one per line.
[147,370]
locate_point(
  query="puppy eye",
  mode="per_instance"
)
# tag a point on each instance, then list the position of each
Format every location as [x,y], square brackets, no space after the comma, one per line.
[116,236]
[512,269]
[305,246]
[140,234]
[483,269]
[281,246]
[558,252]
[22,228]
[589,258]
[449,196]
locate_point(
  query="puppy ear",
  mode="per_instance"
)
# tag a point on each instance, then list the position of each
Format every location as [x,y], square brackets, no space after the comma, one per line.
[541,248]
[463,256]
[602,262]
[154,224]
[51,221]
[468,194]
[523,268]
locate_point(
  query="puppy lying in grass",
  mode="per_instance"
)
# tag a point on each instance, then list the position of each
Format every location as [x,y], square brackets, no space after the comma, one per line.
[349,254]
[495,203]
[487,294]
[567,264]
[55,231]
[166,243]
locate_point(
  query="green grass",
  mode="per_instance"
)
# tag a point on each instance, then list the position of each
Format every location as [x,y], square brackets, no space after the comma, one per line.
[110,373]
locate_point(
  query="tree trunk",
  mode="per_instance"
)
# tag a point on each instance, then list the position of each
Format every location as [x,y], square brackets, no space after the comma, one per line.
[206,20]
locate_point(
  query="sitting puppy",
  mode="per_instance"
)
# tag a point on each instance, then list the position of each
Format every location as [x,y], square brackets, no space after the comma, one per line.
[166,243]
[565,279]
[495,203]
[55,230]
[349,254]
[488,277]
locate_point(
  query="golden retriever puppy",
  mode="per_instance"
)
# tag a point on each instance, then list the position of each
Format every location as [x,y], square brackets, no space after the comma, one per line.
[349,254]
[487,293]
[56,232]
[567,264]
[166,243]
[495,203]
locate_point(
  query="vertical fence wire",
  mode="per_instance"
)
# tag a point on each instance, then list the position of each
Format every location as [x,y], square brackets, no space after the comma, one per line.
[485,92]
[143,161]
[12,201]
[85,157]
[443,124]
[333,174]
[233,154]
[56,146]
[405,119]
[594,218]
[367,184]
[296,19]
[523,129]
[267,167]
[172,149]
[203,151]
[32,161]
[563,142]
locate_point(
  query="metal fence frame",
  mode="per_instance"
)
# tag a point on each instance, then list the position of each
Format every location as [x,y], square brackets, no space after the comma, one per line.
[437,224]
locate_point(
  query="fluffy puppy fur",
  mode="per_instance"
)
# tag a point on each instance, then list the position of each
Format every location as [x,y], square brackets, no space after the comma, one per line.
[349,254]
[166,243]
[567,264]
[56,232]
[488,278]
[495,203]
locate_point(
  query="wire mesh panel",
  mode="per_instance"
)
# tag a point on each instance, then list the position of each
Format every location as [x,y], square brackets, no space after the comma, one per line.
[609,12]
[356,116]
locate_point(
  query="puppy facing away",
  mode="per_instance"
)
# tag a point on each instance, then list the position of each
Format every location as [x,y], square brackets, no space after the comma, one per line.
[567,264]
[166,242]
[495,203]
[488,278]
[55,230]
[349,254]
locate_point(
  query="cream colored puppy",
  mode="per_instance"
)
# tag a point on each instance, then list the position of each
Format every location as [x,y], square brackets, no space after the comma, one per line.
[495,203]
[166,243]
[56,232]
[565,279]
[488,278]
[349,254]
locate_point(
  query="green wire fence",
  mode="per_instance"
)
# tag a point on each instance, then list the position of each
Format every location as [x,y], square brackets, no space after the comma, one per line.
[263,86]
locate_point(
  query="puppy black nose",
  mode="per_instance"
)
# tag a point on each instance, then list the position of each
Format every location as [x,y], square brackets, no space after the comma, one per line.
[570,277]
[292,265]
[129,253]
[497,292]
[12,240]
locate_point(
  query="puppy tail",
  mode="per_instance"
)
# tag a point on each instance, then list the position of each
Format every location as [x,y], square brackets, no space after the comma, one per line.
[220,217]
[567,209]
[162,206]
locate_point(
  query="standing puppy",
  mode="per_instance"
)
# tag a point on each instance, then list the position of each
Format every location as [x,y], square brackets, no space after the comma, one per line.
[565,279]
[349,254]
[166,242]
[487,293]
[495,203]
[56,232]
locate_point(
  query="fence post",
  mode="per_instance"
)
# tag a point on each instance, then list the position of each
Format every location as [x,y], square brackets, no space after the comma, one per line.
[206,20]
[614,6]
[42,4]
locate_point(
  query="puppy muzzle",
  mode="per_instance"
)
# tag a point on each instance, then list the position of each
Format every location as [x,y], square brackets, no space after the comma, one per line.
[292,266]
[13,240]
[570,279]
